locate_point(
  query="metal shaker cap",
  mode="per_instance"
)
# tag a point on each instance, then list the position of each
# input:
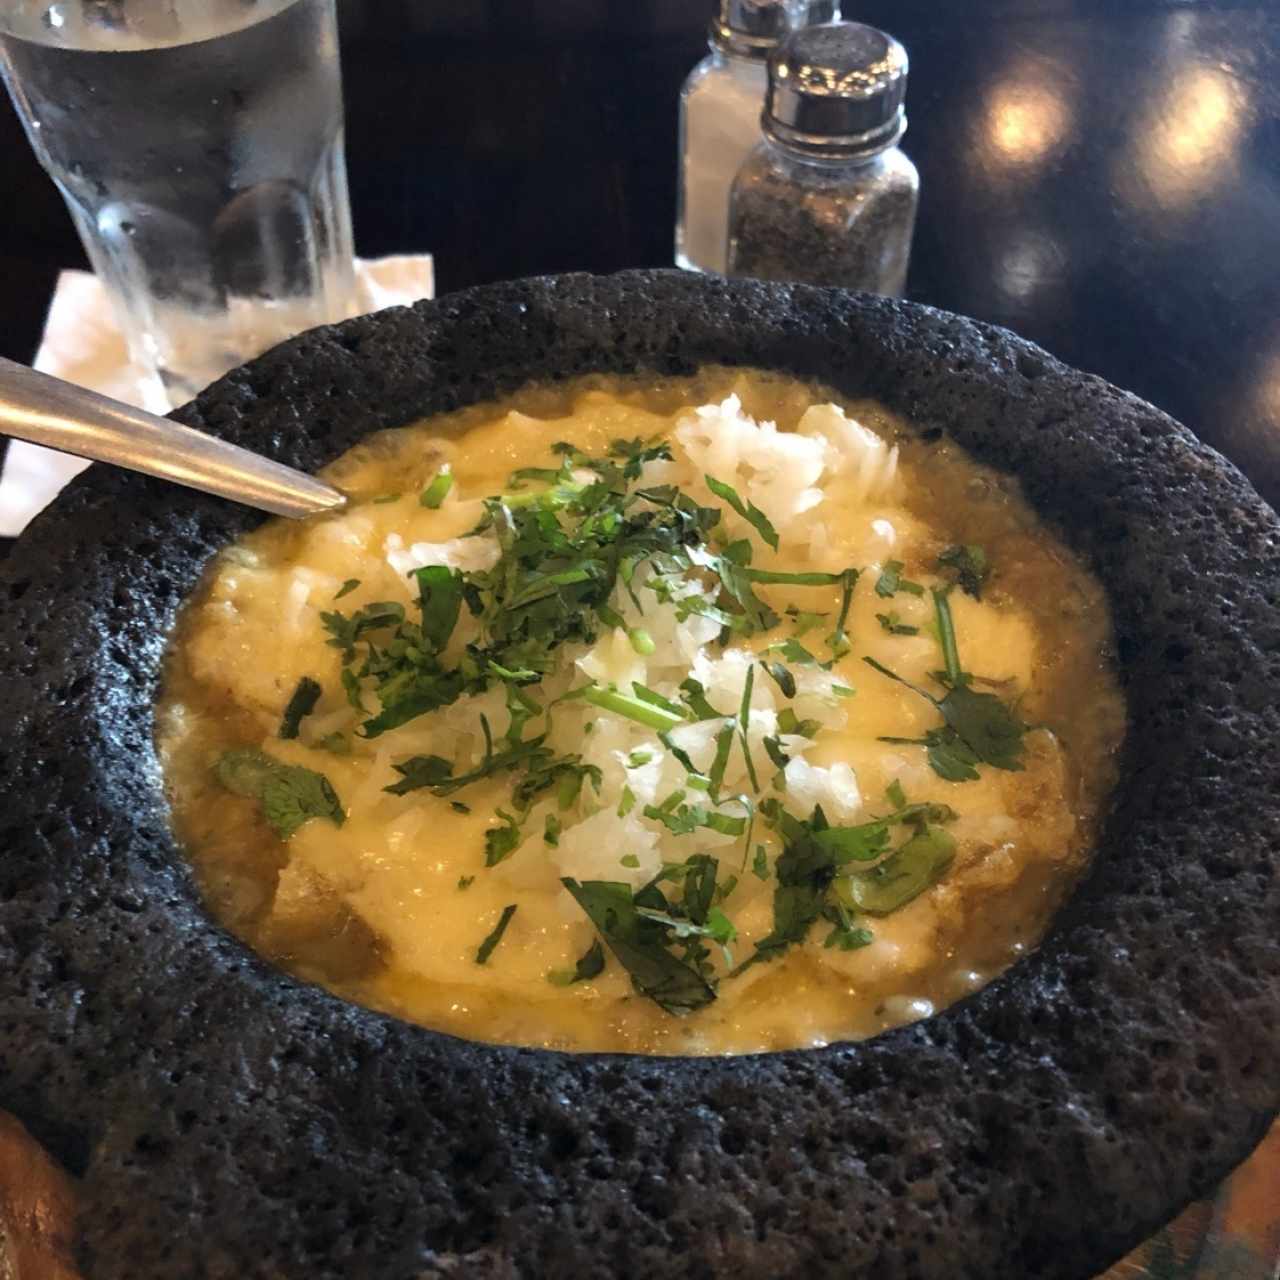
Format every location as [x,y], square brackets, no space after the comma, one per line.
[754,28]
[836,91]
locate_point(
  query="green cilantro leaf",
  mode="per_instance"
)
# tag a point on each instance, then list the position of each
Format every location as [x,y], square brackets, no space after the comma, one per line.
[893,624]
[418,772]
[344,631]
[351,686]
[440,599]
[302,703]
[640,946]
[783,678]
[969,566]
[487,946]
[695,696]
[501,842]
[748,511]
[590,965]
[845,934]
[891,581]
[979,728]
[289,794]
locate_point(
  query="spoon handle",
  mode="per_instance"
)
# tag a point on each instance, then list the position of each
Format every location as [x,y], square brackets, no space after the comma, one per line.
[60,415]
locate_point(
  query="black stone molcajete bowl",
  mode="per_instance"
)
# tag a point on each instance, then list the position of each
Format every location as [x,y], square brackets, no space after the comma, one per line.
[230,1121]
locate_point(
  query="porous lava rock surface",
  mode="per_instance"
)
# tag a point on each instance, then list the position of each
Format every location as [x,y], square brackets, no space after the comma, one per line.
[230,1121]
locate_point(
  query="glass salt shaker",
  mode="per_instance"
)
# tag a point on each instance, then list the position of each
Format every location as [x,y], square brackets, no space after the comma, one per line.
[827,197]
[720,118]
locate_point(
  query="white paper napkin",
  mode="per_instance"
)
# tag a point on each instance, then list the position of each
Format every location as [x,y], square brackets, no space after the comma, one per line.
[82,344]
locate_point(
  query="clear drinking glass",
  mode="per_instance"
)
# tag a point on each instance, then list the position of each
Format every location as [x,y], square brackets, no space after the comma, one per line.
[199,147]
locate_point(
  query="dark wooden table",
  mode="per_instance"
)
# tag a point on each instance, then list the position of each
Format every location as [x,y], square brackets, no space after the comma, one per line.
[1101,175]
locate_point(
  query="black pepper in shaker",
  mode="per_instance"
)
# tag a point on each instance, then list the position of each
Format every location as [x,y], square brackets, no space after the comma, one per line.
[828,197]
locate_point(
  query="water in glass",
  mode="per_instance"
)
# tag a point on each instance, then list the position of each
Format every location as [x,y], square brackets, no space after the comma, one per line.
[199,146]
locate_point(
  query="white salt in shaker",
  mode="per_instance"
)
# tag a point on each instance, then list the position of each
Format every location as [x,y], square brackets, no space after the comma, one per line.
[720,117]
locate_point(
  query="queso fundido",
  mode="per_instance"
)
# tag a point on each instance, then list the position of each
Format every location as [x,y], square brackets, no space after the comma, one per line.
[712,716]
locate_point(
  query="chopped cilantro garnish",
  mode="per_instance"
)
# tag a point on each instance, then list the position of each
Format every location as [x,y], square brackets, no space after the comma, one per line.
[794,579]
[438,490]
[783,678]
[638,759]
[302,703]
[487,946]
[590,965]
[969,567]
[351,686]
[773,746]
[744,724]
[501,842]
[816,857]
[979,728]
[902,876]
[627,802]
[289,794]
[335,743]
[638,709]
[344,631]
[720,761]
[420,771]
[695,696]
[838,641]
[629,860]
[803,621]
[347,587]
[748,511]
[891,581]
[760,864]
[465,882]
[789,722]
[725,888]
[793,651]
[641,946]
[458,807]
[655,699]
[893,624]
[440,599]
[844,934]
[551,829]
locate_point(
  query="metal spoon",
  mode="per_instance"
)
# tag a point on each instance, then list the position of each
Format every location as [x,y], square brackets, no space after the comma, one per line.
[60,415]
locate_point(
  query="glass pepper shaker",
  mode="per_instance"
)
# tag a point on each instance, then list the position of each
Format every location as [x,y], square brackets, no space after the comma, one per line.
[720,118]
[827,197]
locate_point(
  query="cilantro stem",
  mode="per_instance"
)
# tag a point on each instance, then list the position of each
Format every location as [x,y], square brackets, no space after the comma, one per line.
[744,723]
[641,712]
[893,675]
[947,635]
[486,947]
[792,579]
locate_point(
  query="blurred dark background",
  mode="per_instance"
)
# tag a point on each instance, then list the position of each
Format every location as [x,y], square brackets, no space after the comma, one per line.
[1101,175]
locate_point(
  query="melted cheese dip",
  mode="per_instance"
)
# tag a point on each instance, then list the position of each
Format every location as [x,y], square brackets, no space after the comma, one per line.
[389,908]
